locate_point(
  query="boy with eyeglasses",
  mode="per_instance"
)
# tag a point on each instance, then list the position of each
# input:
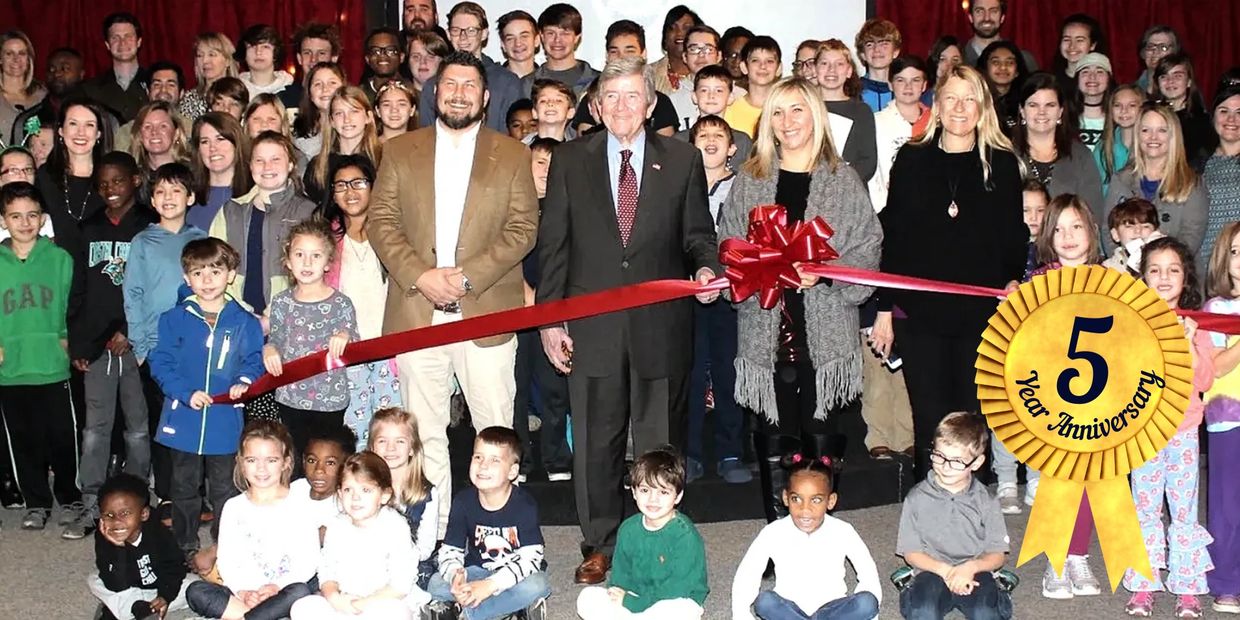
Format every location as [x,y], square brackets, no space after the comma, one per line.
[701,49]
[952,531]
[878,44]
[384,58]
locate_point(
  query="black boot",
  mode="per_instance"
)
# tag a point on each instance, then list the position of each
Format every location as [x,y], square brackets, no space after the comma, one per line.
[771,450]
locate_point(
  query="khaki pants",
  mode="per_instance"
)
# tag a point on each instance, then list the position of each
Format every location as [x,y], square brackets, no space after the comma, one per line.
[487,380]
[884,404]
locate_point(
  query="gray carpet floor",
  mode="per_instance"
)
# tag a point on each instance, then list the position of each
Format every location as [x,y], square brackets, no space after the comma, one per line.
[42,576]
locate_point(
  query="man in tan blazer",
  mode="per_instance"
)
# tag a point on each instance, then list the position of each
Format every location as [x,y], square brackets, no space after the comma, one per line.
[452,214]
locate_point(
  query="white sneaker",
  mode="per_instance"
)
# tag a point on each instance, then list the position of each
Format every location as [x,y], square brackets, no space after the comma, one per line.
[1057,587]
[1082,578]
[1031,491]
[1009,501]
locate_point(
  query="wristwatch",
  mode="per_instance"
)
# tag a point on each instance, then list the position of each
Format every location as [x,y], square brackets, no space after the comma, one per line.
[469,288]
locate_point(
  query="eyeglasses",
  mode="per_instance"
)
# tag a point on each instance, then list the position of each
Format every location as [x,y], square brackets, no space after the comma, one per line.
[700,49]
[26,170]
[470,32]
[340,187]
[383,51]
[938,458]
[797,65]
[1157,48]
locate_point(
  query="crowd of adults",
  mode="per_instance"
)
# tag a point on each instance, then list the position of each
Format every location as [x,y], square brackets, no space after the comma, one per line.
[917,163]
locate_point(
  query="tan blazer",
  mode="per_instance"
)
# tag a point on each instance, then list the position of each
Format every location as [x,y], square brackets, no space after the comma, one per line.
[498,228]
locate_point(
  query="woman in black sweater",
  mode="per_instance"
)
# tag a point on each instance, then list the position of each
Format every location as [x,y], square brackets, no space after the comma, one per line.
[954,214]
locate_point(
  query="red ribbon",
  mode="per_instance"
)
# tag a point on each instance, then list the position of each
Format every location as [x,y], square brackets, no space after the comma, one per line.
[762,264]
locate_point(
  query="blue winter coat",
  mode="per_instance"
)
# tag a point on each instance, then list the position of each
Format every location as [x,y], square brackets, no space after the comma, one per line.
[192,356]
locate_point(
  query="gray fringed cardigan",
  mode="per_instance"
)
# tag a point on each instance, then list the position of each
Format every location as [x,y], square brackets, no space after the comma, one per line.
[831,322]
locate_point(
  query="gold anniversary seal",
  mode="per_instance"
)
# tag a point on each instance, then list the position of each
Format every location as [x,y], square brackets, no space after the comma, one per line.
[1084,374]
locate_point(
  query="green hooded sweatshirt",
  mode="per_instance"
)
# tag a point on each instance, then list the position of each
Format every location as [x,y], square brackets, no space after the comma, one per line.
[34,304]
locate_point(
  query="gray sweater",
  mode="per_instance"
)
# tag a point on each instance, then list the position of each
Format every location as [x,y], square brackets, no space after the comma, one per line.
[1079,175]
[831,321]
[1185,221]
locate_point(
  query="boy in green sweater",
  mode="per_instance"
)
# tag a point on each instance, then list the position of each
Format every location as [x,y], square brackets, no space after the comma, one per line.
[36,278]
[658,569]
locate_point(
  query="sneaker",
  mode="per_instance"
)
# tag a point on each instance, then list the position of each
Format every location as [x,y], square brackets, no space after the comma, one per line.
[559,476]
[733,471]
[441,610]
[1227,604]
[69,513]
[1056,587]
[1083,581]
[693,470]
[537,611]
[1031,491]
[35,519]
[1187,606]
[1009,502]
[1140,604]
[82,524]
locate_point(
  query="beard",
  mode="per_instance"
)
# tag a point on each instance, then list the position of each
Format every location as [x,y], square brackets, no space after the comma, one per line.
[458,120]
[987,30]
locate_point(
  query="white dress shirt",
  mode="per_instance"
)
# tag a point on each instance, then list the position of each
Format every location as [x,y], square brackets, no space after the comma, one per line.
[454,161]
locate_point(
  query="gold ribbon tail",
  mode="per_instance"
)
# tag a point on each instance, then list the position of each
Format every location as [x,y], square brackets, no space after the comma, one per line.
[1051,521]
[1119,532]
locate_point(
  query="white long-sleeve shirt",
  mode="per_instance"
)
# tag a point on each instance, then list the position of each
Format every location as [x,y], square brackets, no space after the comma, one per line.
[276,543]
[363,560]
[809,568]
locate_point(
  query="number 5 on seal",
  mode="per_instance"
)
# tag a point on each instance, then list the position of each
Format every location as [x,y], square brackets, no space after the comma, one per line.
[1097,363]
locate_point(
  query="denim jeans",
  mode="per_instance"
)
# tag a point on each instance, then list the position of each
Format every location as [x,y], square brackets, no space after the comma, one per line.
[859,606]
[514,599]
[927,598]
[109,376]
[714,352]
[211,600]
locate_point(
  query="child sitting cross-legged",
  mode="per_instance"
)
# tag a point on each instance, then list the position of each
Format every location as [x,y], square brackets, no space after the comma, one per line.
[658,569]
[141,568]
[809,548]
[952,531]
[491,562]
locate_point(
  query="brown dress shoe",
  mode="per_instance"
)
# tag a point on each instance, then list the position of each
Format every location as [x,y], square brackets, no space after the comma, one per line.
[593,570]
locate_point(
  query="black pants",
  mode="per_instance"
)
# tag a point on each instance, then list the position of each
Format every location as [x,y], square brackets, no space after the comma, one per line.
[211,600]
[534,369]
[43,433]
[939,375]
[714,356]
[161,459]
[302,423]
[603,409]
[186,495]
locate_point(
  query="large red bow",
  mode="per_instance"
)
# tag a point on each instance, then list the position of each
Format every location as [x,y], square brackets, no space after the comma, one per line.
[762,263]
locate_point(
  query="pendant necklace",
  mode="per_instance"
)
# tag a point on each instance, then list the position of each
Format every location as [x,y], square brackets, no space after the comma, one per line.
[69,207]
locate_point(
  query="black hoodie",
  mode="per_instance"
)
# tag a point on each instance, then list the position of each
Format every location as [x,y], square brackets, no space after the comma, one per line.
[155,563]
[105,249]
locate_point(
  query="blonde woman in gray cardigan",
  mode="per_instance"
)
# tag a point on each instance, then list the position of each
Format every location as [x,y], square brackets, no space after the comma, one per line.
[797,366]
[1160,173]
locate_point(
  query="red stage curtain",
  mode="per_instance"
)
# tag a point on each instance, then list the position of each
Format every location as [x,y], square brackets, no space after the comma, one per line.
[169,27]
[1207,29]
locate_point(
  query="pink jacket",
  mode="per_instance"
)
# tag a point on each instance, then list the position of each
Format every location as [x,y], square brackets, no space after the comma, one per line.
[1203,378]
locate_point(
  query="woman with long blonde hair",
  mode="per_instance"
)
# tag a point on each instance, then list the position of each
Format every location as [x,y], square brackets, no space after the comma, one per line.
[157,138]
[954,212]
[797,368]
[213,59]
[19,91]
[1160,173]
[350,130]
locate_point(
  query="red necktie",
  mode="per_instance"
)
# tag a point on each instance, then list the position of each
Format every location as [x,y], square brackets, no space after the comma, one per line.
[626,200]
